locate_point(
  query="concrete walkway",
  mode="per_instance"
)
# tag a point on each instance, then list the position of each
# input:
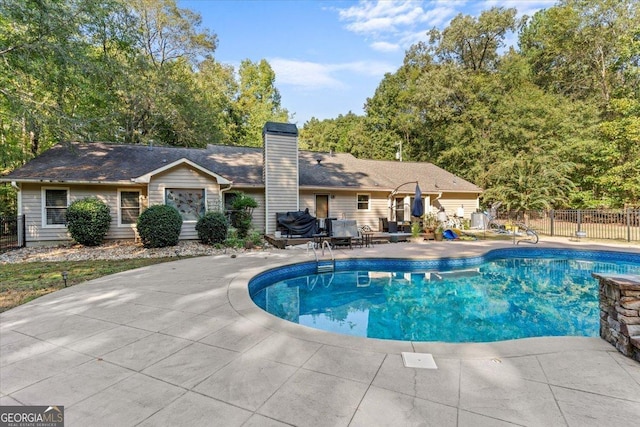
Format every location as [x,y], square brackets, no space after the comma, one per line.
[181,344]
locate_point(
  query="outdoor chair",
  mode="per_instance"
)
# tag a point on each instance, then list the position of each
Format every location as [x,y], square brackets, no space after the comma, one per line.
[360,239]
[343,232]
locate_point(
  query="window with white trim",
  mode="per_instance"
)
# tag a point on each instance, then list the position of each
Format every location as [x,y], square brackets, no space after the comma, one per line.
[189,202]
[128,207]
[55,206]
[363,202]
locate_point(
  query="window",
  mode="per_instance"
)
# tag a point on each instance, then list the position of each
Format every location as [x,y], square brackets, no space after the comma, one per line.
[399,208]
[129,208]
[363,202]
[229,198]
[189,202]
[55,206]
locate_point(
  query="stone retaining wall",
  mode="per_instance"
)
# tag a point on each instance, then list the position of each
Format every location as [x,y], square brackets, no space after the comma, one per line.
[620,312]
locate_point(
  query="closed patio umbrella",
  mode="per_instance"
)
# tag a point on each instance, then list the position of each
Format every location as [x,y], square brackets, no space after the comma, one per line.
[418,208]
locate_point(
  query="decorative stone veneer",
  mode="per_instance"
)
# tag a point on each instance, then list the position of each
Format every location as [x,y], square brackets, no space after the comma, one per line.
[620,312]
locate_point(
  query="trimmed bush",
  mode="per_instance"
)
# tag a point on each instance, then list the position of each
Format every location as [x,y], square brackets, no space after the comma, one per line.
[88,221]
[159,226]
[212,228]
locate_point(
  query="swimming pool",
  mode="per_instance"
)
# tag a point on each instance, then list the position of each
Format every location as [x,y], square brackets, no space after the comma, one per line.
[504,294]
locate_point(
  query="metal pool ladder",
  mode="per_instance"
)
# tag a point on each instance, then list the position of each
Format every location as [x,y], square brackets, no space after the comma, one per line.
[324,267]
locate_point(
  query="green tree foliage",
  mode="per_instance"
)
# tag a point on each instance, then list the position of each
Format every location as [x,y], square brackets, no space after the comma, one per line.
[344,134]
[88,221]
[577,47]
[553,124]
[258,101]
[122,71]
[473,43]
[529,182]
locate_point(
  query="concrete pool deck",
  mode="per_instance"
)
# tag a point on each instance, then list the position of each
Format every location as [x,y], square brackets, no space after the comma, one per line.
[181,343]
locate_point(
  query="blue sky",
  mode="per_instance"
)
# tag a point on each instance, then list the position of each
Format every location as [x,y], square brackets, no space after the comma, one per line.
[329,56]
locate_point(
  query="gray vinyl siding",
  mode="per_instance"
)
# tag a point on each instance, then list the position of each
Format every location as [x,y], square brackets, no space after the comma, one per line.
[185,177]
[258,220]
[280,177]
[452,201]
[32,207]
[344,204]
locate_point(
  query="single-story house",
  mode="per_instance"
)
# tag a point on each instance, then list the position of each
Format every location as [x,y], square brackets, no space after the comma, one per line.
[279,176]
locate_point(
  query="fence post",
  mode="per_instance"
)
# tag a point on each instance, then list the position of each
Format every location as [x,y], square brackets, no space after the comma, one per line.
[22,238]
[551,218]
[628,217]
[579,219]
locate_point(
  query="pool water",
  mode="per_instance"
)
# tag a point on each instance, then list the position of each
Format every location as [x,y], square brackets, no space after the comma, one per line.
[481,300]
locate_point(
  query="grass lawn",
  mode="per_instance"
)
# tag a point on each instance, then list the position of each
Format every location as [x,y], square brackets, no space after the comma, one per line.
[23,282]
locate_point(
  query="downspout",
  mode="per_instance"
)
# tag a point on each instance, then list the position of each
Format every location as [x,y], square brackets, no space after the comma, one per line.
[21,234]
[19,201]
[222,190]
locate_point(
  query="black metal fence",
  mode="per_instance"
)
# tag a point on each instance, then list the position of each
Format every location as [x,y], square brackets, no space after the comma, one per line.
[613,224]
[12,233]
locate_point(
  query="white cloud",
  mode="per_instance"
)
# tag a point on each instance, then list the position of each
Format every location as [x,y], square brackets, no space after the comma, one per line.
[392,16]
[394,25]
[369,17]
[304,73]
[385,46]
[317,76]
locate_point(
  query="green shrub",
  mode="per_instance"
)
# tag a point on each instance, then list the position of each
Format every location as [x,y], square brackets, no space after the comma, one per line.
[88,221]
[159,226]
[212,228]
[256,238]
[242,213]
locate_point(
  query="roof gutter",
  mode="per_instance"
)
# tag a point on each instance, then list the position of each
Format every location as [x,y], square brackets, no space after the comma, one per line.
[62,181]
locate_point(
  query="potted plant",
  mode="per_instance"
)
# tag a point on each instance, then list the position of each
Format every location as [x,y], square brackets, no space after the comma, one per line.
[415,232]
[430,223]
[415,229]
[438,234]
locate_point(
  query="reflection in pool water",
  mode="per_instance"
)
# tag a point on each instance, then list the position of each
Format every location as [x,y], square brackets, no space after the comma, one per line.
[483,300]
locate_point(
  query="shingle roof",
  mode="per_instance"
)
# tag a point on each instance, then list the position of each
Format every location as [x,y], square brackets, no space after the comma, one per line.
[100,162]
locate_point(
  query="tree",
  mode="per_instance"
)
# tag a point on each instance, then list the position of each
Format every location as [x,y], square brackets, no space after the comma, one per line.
[577,47]
[530,182]
[258,102]
[161,101]
[169,33]
[474,43]
[52,72]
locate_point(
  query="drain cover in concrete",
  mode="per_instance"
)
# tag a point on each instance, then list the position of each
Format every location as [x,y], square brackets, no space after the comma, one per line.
[418,360]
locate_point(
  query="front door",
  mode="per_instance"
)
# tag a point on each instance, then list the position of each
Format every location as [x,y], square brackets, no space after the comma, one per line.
[322,205]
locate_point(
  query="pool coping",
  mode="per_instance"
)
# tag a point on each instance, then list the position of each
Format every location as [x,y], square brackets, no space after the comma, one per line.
[240,300]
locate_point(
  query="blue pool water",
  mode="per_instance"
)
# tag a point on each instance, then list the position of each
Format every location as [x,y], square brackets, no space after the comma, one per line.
[505,294]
